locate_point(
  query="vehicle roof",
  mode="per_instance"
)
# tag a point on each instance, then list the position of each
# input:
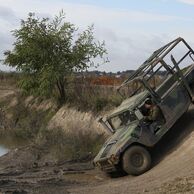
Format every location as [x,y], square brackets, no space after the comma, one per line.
[144,68]
[129,103]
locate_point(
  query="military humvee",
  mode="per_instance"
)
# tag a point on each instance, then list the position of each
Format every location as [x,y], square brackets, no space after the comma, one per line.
[162,79]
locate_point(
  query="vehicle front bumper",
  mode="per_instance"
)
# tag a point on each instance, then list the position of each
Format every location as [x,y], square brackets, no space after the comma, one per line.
[107,164]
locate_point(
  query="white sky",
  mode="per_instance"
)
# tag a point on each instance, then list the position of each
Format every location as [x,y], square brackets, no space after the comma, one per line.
[131,30]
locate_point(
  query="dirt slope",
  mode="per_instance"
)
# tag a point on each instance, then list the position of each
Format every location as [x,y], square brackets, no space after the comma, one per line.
[173,160]
[5,92]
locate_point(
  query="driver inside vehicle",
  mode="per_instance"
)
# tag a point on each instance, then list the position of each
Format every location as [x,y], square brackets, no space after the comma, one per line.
[153,115]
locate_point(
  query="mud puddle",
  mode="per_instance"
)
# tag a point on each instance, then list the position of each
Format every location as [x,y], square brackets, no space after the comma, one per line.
[3,150]
[29,170]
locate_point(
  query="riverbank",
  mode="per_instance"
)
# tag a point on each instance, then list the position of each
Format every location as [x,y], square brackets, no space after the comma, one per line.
[50,149]
[65,131]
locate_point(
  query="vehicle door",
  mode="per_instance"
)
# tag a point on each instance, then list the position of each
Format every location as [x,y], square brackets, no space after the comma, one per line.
[174,99]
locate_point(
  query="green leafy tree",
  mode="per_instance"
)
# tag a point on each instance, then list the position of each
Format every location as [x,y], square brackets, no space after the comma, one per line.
[47,51]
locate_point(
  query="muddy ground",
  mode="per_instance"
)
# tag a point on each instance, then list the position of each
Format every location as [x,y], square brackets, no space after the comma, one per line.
[25,171]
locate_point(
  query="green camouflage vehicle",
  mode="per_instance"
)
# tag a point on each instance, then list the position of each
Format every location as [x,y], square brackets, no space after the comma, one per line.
[169,86]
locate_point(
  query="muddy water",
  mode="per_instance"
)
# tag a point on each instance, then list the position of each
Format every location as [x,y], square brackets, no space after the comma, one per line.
[3,150]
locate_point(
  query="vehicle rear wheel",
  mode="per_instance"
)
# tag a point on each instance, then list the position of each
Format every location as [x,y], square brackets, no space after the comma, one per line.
[136,160]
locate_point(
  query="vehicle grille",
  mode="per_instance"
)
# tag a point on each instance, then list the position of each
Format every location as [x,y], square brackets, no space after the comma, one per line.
[104,163]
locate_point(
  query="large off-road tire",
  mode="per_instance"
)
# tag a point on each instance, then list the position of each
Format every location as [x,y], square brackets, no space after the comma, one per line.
[136,160]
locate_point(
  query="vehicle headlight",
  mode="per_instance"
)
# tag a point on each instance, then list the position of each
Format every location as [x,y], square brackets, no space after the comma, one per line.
[114,159]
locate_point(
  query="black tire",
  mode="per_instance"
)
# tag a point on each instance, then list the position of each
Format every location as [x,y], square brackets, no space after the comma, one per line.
[136,160]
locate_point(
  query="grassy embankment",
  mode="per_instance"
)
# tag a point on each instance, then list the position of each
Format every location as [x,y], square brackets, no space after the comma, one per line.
[68,132]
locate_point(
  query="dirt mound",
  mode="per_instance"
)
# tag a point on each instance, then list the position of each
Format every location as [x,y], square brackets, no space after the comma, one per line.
[173,161]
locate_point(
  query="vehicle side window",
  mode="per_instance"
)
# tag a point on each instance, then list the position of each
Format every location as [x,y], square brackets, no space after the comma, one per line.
[122,119]
[144,110]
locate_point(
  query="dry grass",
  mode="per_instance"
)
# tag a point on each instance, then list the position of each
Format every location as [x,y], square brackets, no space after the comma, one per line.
[74,121]
[87,97]
[73,135]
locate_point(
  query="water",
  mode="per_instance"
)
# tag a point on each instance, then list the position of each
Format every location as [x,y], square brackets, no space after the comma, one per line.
[3,150]
[8,143]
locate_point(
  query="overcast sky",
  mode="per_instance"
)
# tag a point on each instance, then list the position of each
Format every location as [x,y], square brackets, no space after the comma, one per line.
[132,29]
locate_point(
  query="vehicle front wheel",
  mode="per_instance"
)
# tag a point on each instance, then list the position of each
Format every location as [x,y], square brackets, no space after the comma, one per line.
[136,160]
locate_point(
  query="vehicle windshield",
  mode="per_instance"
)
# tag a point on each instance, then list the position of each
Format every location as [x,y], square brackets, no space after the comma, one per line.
[122,119]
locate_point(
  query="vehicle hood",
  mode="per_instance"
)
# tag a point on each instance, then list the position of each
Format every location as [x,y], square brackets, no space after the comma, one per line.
[129,103]
[117,141]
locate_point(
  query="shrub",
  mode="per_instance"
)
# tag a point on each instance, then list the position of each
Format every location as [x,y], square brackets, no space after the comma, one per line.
[94,98]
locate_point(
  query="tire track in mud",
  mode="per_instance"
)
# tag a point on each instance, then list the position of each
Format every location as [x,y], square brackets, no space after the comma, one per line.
[173,158]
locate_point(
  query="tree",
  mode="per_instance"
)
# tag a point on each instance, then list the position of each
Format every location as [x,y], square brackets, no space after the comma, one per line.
[47,51]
